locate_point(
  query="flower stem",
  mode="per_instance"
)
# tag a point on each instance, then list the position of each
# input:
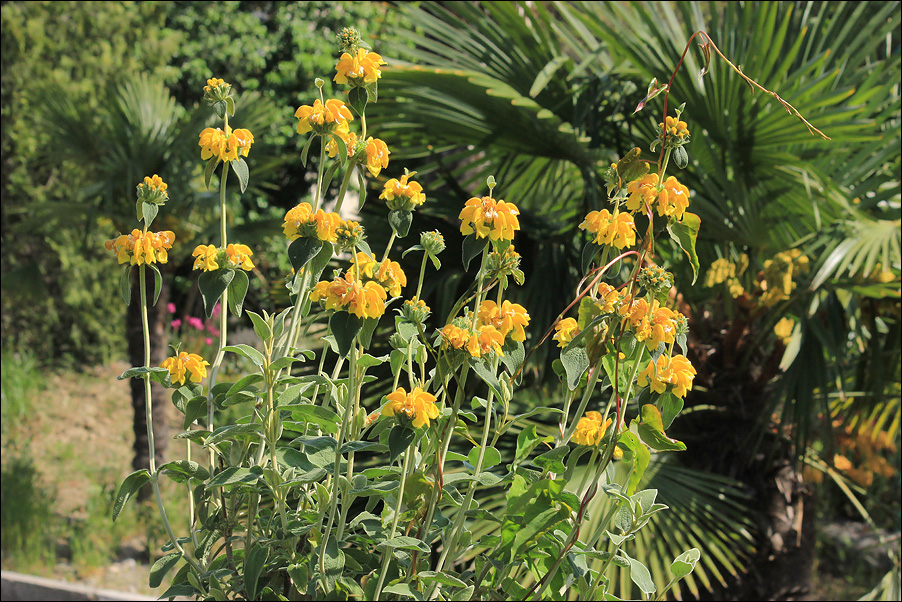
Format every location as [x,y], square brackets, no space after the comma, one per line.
[387,552]
[148,404]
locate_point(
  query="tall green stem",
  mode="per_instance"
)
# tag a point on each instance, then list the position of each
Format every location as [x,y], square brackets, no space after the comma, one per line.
[387,552]
[151,448]
[223,305]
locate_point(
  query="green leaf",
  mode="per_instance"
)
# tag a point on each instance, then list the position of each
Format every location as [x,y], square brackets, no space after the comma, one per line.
[125,284]
[631,167]
[651,430]
[405,543]
[640,458]
[492,457]
[237,291]
[233,475]
[527,440]
[483,369]
[685,563]
[399,439]
[230,105]
[261,328]
[670,406]
[194,409]
[685,233]
[576,361]
[552,460]
[400,221]
[545,75]
[640,576]
[306,150]
[357,99]
[241,170]
[157,283]
[513,357]
[209,168]
[232,432]
[148,213]
[156,374]
[248,352]
[302,250]
[344,327]
[211,285]
[402,589]
[441,577]
[129,487]
[253,566]
[472,246]
[180,470]
[161,567]
[324,418]
[333,560]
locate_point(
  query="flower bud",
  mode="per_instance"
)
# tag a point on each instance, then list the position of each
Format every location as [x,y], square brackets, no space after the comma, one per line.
[348,39]
[415,310]
[433,242]
[216,90]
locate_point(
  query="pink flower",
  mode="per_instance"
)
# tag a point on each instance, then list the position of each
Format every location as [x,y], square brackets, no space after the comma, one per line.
[196,323]
[217,309]
[170,307]
[213,330]
[175,324]
[209,341]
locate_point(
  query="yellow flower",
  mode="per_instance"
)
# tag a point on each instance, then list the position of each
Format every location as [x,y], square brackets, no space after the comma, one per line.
[322,118]
[783,329]
[642,192]
[358,70]
[590,429]
[139,248]
[496,220]
[418,406]
[376,155]
[225,145]
[608,298]
[673,199]
[194,364]
[720,271]
[300,221]
[675,127]
[488,338]
[239,256]
[565,330]
[206,256]
[391,277]
[343,131]
[675,371]
[661,327]
[403,194]
[613,230]
[484,340]
[388,274]
[510,317]
[362,300]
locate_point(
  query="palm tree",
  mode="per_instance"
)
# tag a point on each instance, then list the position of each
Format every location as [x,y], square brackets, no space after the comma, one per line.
[540,95]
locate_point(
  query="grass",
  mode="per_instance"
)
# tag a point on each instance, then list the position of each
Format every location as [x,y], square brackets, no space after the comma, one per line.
[63,458]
